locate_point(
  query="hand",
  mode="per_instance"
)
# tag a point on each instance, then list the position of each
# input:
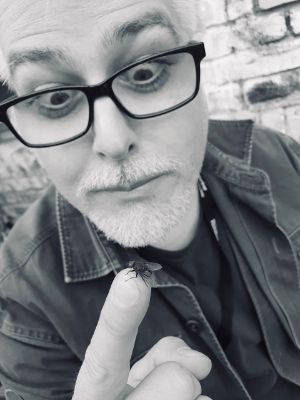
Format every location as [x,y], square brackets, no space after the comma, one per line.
[169,371]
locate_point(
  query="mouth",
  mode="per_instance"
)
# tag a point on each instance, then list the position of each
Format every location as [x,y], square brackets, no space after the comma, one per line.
[132,186]
[135,185]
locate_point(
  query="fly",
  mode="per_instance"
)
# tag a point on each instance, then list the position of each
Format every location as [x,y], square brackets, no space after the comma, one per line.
[143,269]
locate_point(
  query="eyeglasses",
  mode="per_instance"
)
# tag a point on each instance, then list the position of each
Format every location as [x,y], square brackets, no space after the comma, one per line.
[152,86]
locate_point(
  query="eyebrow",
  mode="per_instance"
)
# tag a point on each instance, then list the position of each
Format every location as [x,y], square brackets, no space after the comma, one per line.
[128,29]
[149,20]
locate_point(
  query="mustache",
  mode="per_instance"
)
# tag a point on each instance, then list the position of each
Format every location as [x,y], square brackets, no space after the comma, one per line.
[105,175]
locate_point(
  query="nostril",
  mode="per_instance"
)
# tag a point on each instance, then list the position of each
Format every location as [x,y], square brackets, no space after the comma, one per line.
[131,148]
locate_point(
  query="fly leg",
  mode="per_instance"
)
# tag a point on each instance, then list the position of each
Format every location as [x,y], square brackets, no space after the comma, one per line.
[132,270]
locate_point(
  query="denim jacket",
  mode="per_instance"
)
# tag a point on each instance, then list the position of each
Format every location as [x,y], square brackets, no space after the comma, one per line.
[56,270]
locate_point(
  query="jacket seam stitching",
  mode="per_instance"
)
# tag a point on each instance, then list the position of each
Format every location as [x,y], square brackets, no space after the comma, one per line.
[237,163]
[11,329]
[294,232]
[66,257]
[248,146]
[258,254]
[104,251]
[21,263]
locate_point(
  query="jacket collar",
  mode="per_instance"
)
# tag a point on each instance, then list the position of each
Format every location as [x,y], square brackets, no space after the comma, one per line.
[232,138]
[86,252]
[229,155]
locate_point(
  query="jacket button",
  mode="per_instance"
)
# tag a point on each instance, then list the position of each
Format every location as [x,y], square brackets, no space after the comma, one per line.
[193,325]
[10,395]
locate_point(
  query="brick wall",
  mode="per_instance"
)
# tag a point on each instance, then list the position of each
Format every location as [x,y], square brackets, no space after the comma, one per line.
[252,70]
[253,64]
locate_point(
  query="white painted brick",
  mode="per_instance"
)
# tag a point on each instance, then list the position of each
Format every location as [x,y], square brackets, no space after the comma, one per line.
[219,72]
[208,73]
[270,28]
[218,42]
[267,4]
[295,20]
[250,64]
[223,40]
[261,30]
[238,8]
[293,122]
[224,98]
[21,184]
[212,74]
[235,115]
[213,12]
[274,118]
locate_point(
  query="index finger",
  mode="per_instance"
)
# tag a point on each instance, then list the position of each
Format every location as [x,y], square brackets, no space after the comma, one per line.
[105,370]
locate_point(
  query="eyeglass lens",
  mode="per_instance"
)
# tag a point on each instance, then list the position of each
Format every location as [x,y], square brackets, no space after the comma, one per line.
[148,88]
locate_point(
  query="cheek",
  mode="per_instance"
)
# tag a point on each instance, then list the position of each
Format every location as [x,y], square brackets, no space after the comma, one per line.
[184,132]
[63,164]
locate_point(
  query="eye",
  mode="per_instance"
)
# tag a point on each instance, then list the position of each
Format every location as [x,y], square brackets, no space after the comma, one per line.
[145,78]
[144,73]
[56,104]
[56,99]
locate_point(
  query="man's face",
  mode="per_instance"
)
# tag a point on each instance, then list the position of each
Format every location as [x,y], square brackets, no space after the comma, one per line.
[99,172]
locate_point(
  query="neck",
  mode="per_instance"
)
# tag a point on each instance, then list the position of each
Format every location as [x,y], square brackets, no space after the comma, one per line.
[182,235]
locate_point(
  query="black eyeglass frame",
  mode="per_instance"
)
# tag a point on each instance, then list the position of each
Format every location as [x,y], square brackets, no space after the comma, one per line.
[93,92]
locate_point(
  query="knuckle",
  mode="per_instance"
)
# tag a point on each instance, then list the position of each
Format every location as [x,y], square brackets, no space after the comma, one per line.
[92,369]
[183,381]
[169,341]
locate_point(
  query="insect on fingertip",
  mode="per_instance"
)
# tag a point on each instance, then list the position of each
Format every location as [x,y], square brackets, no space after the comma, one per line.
[143,269]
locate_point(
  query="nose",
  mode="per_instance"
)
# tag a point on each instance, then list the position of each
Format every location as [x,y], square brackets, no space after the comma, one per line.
[114,138]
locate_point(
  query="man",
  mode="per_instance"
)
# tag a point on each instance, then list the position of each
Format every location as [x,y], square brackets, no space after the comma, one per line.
[108,96]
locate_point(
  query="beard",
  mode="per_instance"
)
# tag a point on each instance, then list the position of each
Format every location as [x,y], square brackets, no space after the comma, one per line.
[137,222]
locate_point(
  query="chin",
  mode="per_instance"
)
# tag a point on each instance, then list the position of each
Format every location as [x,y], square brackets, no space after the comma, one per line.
[142,224]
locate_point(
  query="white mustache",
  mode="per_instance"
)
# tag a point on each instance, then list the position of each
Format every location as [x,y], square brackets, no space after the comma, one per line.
[104,176]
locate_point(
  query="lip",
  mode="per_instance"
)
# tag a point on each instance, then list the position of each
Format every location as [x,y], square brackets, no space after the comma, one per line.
[135,185]
[132,186]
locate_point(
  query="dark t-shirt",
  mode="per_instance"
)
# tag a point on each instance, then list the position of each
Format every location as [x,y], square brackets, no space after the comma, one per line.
[224,299]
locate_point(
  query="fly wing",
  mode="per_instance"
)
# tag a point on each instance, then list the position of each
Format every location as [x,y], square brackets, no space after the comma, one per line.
[140,265]
[153,266]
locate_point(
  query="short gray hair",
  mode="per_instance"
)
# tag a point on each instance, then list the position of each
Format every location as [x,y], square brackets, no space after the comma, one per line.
[188,17]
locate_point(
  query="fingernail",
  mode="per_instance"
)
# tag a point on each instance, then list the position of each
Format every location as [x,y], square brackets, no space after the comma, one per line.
[125,294]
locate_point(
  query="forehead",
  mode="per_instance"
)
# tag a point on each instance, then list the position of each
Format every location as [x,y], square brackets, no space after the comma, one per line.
[27,20]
